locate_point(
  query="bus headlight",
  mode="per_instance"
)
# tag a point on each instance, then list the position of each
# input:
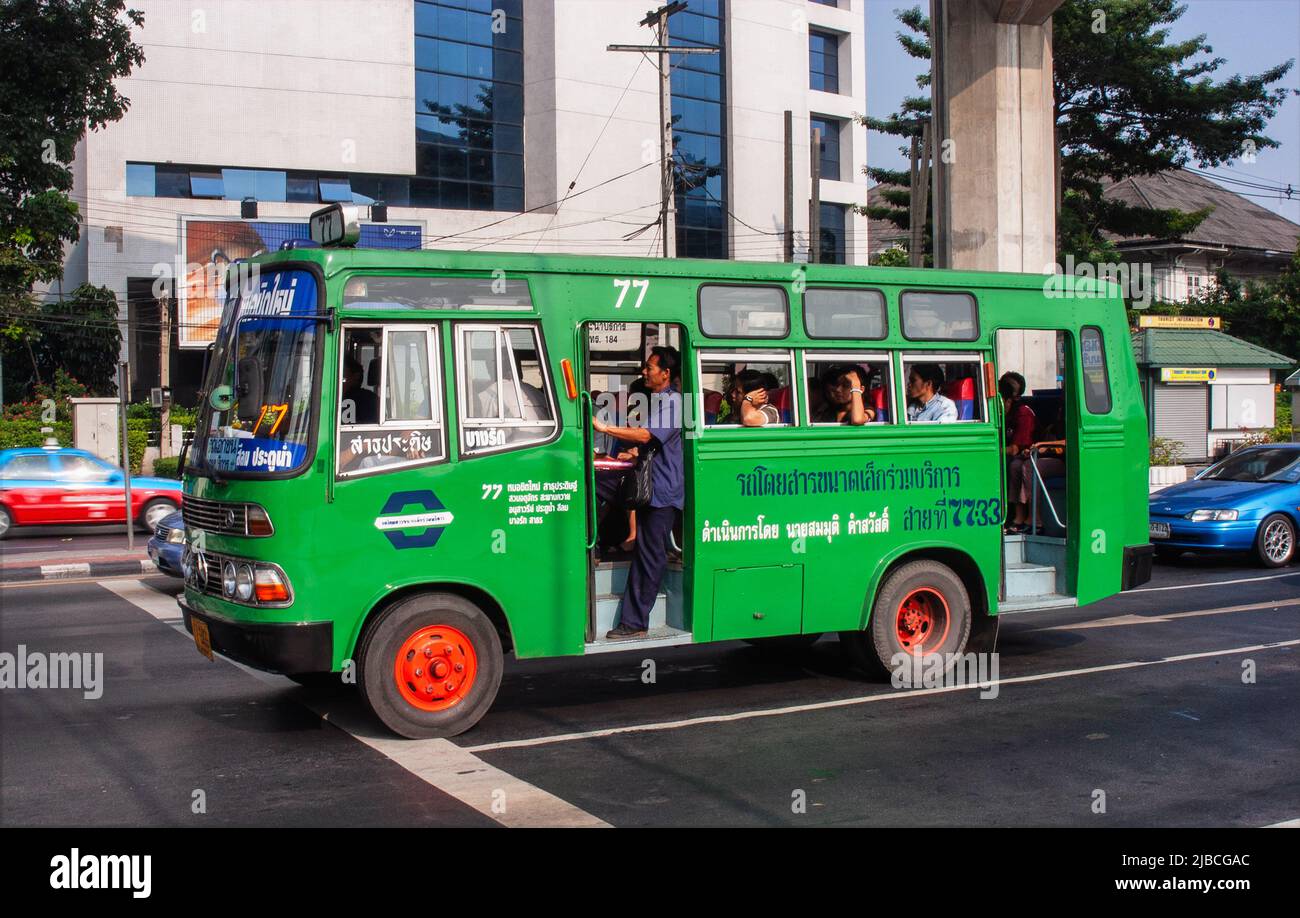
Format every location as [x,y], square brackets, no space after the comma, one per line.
[244,583]
[1206,516]
[228,579]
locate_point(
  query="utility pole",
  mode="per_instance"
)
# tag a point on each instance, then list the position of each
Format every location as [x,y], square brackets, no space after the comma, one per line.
[165,376]
[920,198]
[123,381]
[658,20]
[789,185]
[815,199]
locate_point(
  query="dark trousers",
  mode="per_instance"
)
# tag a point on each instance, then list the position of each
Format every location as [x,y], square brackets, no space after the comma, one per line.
[646,575]
[653,526]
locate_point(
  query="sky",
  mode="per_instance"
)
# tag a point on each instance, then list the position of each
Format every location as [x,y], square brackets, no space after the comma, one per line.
[1251,35]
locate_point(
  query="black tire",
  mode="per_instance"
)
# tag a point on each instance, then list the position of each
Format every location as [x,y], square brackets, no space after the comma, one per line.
[874,649]
[1275,540]
[159,505]
[785,644]
[377,657]
[6,522]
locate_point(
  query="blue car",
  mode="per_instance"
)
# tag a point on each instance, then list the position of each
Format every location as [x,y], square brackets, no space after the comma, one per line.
[168,544]
[1248,502]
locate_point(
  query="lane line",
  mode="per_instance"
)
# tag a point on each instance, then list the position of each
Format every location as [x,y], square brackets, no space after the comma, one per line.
[865,699]
[1130,619]
[452,769]
[1209,583]
[1289,824]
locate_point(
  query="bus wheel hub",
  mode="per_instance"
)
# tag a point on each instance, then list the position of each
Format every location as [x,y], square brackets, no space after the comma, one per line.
[435,651]
[922,618]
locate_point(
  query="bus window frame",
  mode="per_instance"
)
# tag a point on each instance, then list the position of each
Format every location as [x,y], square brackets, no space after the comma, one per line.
[742,357]
[858,357]
[437,401]
[459,367]
[902,315]
[699,311]
[1105,371]
[981,397]
[884,311]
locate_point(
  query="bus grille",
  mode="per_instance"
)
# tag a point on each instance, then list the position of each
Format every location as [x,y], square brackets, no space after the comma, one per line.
[215,516]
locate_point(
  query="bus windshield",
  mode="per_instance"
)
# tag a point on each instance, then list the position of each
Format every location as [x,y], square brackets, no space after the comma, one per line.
[263,353]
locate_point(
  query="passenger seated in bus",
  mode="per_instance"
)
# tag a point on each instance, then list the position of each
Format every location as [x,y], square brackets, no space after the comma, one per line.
[843,397]
[1050,456]
[924,401]
[747,398]
[356,404]
[1020,429]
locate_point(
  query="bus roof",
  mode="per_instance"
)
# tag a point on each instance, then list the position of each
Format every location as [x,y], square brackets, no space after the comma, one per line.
[336,260]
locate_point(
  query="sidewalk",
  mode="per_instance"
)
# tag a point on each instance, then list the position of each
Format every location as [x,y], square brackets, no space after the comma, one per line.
[25,566]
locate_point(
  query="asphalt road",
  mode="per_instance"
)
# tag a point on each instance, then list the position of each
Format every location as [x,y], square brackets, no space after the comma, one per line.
[1138,701]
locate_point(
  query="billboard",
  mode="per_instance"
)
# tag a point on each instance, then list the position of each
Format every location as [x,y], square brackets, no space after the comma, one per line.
[208,246]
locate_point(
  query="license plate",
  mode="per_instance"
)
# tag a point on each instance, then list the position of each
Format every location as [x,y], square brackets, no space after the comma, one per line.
[202,640]
[1159,530]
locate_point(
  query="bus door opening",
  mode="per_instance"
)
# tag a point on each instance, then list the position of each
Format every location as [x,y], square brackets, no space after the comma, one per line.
[1037,409]
[615,354]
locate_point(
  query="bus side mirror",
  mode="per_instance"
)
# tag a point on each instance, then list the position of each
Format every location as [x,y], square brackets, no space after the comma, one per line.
[248,389]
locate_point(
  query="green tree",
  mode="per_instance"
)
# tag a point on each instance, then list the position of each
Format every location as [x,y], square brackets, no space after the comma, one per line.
[1128,102]
[58,61]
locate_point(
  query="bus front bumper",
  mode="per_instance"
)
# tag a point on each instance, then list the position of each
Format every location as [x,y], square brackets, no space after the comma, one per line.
[288,648]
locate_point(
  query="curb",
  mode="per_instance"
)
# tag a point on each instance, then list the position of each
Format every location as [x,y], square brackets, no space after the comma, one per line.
[83,569]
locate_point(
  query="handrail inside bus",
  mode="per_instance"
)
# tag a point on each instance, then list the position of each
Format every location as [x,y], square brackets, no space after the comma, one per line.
[589,465]
[1038,477]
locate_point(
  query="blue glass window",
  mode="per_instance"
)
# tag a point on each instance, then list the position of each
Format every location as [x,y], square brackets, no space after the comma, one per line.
[206,185]
[831,250]
[823,61]
[830,146]
[469,101]
[262,184]
[335,188]
[140,180]
[699,133]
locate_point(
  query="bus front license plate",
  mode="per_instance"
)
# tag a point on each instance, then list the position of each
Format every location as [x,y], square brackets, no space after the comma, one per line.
[1159,530]
[202,640]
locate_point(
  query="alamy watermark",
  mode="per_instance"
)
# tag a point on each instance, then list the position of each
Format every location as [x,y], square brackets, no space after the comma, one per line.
[36,670]
[1135,281]
[945,670]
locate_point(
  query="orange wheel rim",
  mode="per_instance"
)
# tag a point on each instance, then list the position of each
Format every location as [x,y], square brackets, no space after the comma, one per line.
[435,668]
[922,620]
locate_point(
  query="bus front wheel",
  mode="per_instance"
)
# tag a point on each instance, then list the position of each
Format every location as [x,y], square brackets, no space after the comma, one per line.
[430,666]
[922,608]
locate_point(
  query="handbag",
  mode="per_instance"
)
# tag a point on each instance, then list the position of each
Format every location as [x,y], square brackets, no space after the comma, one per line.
[637,487]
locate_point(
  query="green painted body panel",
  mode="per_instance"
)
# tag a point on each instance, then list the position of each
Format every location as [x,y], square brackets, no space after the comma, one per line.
[823,512]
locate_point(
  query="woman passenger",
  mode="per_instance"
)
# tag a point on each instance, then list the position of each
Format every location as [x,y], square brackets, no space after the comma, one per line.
[843,387]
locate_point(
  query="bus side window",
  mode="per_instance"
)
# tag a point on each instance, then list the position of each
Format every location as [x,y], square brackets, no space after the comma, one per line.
[726,378]
[503,388]
[828,378]
[390,399]
[960,380]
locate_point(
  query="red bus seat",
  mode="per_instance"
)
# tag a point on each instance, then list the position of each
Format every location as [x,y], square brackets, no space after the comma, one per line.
[962,392]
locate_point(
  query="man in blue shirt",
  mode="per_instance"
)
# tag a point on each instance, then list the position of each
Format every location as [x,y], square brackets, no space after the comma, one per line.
[925,403]
[654,523]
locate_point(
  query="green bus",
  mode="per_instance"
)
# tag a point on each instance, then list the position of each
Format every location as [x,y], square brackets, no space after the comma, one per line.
[393,472]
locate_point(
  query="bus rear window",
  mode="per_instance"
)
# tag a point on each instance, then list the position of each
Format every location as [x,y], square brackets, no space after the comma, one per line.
[387,292]
[743,312]
[932,316]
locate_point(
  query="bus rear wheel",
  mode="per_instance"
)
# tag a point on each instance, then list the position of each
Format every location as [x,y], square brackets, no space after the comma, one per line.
[430,666]
[922,608]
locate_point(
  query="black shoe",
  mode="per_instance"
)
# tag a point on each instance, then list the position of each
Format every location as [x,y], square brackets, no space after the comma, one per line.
[623,633]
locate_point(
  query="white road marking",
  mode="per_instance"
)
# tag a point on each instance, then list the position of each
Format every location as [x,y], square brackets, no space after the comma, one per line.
[1289,824]
[865,699]
[1209,583]
[452,769]
[1167,617]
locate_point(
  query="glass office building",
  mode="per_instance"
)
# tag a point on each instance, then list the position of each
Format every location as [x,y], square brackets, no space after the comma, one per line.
[700,132]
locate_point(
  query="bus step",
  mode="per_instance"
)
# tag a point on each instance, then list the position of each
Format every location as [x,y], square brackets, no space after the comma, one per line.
[607,612]
[611,577]
[1025,579]
[655,637]
[1031,603]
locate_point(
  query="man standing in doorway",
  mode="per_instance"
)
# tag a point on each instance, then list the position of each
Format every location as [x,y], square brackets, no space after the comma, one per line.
[654,523]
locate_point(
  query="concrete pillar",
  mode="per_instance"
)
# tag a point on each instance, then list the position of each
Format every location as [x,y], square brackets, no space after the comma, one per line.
[995,199]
